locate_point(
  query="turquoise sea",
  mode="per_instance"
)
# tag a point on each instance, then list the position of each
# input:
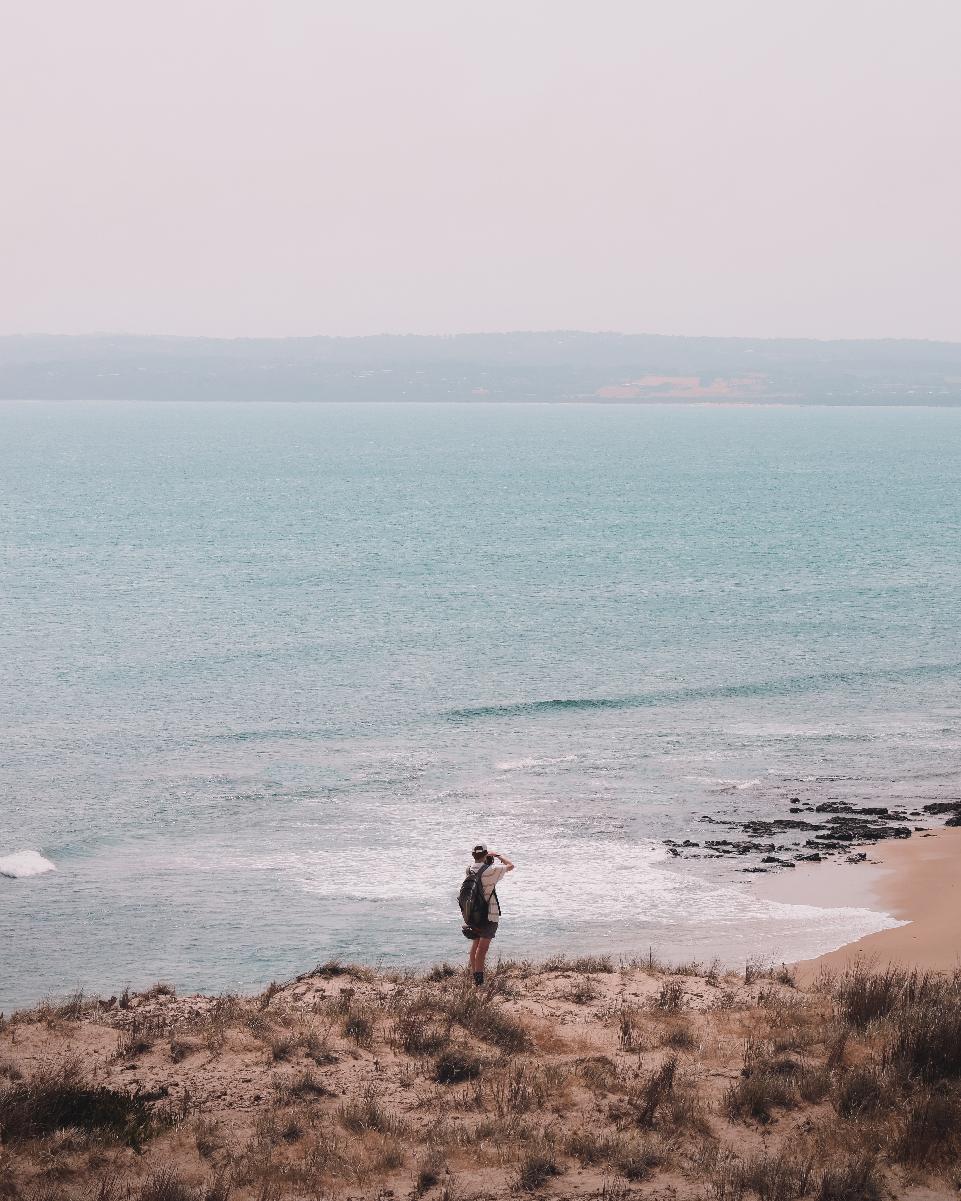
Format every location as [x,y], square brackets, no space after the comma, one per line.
[267,671]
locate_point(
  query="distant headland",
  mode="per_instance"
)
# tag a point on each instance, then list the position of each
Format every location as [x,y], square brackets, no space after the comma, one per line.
[553,367]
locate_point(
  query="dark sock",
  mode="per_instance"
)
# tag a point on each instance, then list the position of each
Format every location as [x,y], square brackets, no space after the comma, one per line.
[478,978]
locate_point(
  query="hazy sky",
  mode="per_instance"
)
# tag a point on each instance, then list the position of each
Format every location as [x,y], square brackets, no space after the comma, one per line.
[759,167]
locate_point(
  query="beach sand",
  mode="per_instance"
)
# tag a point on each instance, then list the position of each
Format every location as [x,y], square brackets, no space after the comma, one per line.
[917,881]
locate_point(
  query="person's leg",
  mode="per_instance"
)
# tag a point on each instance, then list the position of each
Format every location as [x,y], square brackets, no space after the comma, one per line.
[473,955]
[480,958]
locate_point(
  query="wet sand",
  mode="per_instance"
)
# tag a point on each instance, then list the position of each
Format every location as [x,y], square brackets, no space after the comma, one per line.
[917,881]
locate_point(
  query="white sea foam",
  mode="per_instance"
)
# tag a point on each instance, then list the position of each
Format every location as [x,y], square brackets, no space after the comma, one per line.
[626,893]
[720,784]
[527,764]
[24,863]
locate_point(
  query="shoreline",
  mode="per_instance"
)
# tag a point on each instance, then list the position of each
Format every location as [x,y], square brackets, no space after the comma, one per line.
[916,881]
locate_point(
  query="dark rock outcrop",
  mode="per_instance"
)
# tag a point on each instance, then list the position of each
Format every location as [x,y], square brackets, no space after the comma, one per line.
[844,827]
[767,828]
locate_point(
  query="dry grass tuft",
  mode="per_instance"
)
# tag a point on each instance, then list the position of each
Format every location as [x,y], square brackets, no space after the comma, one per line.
[333,968]
[139,1036]
[930,1128]
[359,1027]
[455,1065]
[416,1034]
[650,1095]
[160,989]
[925,1036]
[854,1178]
[670,998]
[431,1170]
[369,1114]
[520,1089]
[536,1167]
[639,1159]
[167,1185]
[629,1034]
[589,1147]
[773,1177]
[280,1044]
[59,1098]
[583,991]
[860,1091]
[443,971]
[863,996]
[680,1034]
[766,1083]
[583,965]
[483,1016]
[301,1086]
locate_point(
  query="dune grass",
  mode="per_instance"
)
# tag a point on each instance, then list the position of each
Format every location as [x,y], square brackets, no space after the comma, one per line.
[575,1076]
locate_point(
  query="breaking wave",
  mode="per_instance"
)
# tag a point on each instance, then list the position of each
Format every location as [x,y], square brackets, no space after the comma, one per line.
[21,864]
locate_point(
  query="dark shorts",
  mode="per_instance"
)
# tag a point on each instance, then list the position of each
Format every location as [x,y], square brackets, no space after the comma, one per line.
[488,930]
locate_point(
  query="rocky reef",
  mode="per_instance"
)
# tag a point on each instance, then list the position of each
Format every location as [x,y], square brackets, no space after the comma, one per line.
[827,830]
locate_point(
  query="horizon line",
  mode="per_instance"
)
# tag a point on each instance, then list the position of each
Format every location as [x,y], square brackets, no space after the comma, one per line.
[505,333]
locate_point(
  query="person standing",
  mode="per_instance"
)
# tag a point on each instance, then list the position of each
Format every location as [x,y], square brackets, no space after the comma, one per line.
[482,935]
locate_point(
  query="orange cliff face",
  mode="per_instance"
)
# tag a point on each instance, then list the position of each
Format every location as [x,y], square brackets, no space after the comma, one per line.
[685,387]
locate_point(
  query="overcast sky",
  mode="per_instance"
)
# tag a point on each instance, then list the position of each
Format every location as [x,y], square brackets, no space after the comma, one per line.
[234,167]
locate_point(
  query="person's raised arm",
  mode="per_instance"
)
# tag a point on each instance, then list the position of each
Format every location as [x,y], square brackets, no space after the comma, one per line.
[508,866]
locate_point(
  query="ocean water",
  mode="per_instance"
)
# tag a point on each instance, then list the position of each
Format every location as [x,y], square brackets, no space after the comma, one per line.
[268,671]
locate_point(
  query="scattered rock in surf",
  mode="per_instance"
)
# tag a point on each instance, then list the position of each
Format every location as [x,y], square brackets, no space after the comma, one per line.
[860,811]
[767,828]
[951,807]
[844,827]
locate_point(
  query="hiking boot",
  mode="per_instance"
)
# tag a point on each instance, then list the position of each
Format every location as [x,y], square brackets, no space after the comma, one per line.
[478,978]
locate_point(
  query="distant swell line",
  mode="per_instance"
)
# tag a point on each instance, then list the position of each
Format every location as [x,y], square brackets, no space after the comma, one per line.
[265,735]
[761,688]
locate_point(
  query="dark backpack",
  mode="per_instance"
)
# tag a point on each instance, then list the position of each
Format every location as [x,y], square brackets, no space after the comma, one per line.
[474,906]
